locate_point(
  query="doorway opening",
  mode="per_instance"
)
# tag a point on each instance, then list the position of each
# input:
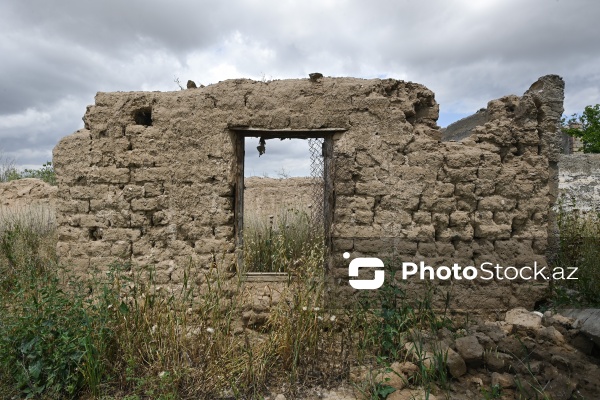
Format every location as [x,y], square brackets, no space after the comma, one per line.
[283,200]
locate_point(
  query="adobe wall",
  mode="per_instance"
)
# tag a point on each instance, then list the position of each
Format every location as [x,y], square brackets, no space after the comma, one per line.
[271,196]
[23,193]
[151,177]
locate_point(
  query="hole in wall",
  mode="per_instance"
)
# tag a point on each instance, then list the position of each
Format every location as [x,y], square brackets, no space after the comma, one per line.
[95,233]
[143,116]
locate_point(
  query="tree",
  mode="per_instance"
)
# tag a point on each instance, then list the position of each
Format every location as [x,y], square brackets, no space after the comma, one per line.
[9,172]
[46,173]
[586,127]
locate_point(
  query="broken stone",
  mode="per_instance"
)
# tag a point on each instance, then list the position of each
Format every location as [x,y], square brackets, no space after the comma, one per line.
[470,350]
[588,321]
[550,334]
[498,362]
[493,331]
[582,343]
[562,320]
[521,318]
[456,365]
[409,369]
[512,345]
[505,381]
[560,388]
[392,376]
[485,340]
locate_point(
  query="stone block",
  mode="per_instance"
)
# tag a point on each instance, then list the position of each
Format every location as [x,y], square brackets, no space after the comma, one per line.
[521,318]
[470,350]
[149,204]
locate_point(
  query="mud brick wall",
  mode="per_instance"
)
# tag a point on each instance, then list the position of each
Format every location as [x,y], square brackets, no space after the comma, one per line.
[270,196]
[151,179]
[485,198]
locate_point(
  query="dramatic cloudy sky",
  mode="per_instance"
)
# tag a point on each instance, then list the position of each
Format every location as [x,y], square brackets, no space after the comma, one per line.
[55,55]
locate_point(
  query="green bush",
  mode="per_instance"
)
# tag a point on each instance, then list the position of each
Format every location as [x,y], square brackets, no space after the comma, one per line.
[45,341]
[46,334]
[45,173]
[579,248]
[586,127]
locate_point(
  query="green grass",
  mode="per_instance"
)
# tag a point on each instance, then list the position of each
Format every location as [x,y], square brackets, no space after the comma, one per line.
[120,335]
[9,173]
[579,248]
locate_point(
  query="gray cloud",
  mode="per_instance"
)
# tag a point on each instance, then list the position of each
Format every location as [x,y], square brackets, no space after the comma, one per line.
[282,157]
[57,55]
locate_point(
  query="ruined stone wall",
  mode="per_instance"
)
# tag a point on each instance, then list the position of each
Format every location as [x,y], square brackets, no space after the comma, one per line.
[29,202]
[151,178]
[270,196]
[483,199]
[579,181]
[22,193]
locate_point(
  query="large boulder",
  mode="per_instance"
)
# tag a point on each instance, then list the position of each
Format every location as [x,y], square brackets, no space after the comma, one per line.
[587,320]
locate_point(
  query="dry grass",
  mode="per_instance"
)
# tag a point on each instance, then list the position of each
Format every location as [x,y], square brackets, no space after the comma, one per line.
[579,248]
[125,336]
[281,242]
[122,336]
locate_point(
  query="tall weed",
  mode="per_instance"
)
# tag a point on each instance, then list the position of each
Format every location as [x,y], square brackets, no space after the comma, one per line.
[579,248]
[279,243]
[123,334]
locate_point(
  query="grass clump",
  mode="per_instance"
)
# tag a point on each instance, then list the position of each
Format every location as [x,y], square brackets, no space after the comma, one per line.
[279,243]
[121,334]
[579,248]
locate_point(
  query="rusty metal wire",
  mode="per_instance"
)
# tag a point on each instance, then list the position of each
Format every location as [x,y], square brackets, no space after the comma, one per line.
[317,172]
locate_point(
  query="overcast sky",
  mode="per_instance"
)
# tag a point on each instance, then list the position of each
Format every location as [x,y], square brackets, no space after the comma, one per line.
[55,55]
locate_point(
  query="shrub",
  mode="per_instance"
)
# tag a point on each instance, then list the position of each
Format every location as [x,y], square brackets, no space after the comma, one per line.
[45,332]
[45,173]
[7,167]
[121,333]
[579,248]
[586,127]
[46,340]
